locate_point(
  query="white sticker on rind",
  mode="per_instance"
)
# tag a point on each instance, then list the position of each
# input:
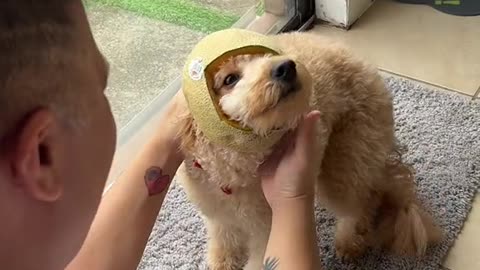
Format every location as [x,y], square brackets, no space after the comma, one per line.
[195,70]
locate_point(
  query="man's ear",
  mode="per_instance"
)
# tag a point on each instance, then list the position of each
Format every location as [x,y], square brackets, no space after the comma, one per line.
[32,156]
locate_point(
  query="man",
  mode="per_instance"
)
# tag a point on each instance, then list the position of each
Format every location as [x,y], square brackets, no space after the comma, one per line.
[57,139]
[57,132]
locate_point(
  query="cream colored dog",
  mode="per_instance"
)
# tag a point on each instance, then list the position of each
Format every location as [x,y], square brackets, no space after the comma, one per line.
[371,195]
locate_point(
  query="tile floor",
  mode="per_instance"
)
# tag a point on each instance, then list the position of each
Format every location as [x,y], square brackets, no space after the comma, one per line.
[421,43]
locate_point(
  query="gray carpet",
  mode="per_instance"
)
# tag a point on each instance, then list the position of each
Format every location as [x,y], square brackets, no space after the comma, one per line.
[441,131]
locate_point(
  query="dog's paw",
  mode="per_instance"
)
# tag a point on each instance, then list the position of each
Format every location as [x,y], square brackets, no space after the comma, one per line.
[351,247]
[351,238]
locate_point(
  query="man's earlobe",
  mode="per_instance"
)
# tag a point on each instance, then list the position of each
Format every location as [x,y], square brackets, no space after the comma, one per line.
[32,157]
[48,189]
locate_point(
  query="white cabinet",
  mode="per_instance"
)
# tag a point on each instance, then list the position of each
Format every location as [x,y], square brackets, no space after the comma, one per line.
[342,13]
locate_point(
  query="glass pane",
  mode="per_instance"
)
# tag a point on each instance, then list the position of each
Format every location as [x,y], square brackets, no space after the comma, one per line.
[146,43]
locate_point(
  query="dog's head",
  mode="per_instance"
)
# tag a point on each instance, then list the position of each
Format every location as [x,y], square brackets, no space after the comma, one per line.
[263,92]
[260,92]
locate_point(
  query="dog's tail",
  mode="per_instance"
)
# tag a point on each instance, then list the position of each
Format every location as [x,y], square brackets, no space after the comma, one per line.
[404,226]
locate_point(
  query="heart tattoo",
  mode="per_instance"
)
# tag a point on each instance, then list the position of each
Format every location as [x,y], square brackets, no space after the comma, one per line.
[156,181]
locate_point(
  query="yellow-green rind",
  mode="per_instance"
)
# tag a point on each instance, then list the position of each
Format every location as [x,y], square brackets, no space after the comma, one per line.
[206,56]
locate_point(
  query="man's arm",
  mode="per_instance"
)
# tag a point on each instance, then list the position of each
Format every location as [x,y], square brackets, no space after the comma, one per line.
[292,243]
[128,211]
[288,182]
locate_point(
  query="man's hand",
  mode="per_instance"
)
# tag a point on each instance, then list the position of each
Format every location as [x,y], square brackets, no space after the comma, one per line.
[289,172]
[168,125]
[288,181]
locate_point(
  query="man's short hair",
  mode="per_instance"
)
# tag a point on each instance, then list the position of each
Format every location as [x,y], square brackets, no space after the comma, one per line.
[36,39]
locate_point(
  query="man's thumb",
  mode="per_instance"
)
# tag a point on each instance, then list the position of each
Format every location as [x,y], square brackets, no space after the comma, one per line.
[306,135]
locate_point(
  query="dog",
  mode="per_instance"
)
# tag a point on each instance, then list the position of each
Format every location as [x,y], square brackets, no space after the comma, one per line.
[371,194]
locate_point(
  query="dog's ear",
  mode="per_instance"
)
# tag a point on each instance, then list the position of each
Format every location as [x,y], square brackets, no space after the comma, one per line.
[186,132]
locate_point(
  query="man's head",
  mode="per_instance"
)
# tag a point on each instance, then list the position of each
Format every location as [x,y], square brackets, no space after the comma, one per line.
[57,134]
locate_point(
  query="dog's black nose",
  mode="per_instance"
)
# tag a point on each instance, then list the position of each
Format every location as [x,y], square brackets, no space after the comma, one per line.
[285,71]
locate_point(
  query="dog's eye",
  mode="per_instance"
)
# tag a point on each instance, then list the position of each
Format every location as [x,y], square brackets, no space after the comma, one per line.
[231,79]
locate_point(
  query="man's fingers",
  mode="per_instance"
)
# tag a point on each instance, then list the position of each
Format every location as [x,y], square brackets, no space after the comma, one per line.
[297,142]
[270,164]
[306,132]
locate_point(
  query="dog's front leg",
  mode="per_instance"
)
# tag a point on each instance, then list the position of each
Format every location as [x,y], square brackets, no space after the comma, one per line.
[353,233]
[257,246]
[226,246]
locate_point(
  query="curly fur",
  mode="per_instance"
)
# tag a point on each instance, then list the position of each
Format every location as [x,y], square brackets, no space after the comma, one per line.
[372,196]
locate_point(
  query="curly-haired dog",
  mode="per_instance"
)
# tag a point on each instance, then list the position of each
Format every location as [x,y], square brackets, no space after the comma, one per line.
[372,197]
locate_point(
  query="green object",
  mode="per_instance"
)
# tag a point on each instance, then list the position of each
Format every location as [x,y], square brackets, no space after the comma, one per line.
[454,7]
[180,12]
[447,2]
